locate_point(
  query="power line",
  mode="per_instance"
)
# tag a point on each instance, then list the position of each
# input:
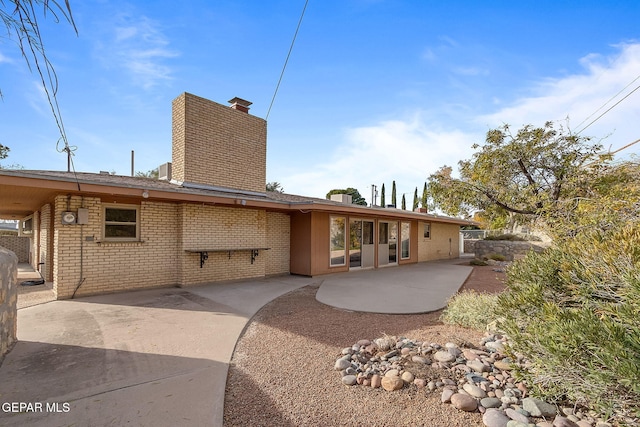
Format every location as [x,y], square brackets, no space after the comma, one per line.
[287,60]
[609,109]
[608,101]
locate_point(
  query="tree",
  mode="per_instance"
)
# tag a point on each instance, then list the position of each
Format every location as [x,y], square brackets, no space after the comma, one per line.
[393,194]
[382,200]
[357,199]
[4,152]
[425,197]
[404,203]
[528,174]
[20,18]
[152,174]
[275,187]
[415,199]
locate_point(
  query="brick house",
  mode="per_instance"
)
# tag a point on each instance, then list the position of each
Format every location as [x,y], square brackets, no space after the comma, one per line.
[208,218]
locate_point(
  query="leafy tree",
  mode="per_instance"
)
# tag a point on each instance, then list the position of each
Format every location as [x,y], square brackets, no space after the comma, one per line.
[20,18]
[529,173]
[404,203]
[382,199]
[357,199]
[393,194]
[4,152]
[275,187]
[152,174]
[415,199]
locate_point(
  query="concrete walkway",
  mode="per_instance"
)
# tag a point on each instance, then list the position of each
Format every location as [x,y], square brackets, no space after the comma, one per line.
[160,357]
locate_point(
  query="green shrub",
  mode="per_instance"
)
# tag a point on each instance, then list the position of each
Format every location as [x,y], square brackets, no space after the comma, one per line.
[572,311]
[470,309]
[510,237]
[477,261]
[497,257]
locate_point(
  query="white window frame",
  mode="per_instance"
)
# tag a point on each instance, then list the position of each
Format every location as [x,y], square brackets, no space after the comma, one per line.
[427,230]
[22,231]
[402,236]
[105,223]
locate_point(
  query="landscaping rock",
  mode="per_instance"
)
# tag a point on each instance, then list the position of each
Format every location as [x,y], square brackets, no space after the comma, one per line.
[538,408]
[495,418]
[464,402]
[349,380]
[392,383]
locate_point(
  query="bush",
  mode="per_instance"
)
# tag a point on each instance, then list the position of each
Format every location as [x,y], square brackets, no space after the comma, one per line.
[470,309]
[572,311]
[497,257]
[477,261]
[509,237]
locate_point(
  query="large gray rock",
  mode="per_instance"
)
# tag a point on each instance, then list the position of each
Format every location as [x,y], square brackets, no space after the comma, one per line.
[444,357]
[538,408]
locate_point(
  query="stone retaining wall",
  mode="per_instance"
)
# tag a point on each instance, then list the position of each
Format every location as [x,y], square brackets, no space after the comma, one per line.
[470,246]
[509,249]
[8,300]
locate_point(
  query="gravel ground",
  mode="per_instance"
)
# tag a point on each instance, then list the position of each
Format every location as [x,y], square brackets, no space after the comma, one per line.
[281,373]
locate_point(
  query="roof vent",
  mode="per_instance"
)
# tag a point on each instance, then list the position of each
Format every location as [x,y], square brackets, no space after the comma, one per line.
[342,198]
[240,104]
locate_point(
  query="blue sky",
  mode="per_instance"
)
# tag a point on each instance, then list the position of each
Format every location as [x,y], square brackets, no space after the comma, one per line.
[374,91]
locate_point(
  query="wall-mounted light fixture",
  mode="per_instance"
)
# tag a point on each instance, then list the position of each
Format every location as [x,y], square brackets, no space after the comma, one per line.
[145,194]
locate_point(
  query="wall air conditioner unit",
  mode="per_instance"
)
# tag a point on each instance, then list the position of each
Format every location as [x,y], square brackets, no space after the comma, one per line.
[68,217]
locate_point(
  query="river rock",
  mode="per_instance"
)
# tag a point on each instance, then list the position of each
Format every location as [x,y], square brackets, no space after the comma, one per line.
[561,421]
[477,365]
[446,395]
[516,416]
[349,379]
[491,402]
[495,418]
[392,383]
[444,357]
[464,402]
[341,364]
[474,391]
[376,381]
[407,377]
[538,408]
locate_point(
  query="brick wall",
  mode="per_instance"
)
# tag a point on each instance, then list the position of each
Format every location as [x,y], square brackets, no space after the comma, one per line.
[278,239]
[213,227]
[81,254]
[8,300]
[438,246]
[19,245]
[218,146]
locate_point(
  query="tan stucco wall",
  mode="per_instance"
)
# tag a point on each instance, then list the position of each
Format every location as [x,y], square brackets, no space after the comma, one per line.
[277,259]
[439,246]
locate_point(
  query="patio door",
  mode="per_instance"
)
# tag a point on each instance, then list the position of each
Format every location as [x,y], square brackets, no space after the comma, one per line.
[387,243]
[361,246]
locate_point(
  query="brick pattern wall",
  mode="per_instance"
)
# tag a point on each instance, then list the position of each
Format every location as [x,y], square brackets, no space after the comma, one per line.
[439,247]
[8,300]
[44,237]
[216,145]
[213,227]
[19,245]
[278,239]
[80,254]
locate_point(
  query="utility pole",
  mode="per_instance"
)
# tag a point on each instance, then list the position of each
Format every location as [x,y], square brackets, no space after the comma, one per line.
[374,195]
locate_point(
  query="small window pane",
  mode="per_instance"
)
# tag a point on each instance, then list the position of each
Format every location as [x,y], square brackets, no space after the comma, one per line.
[337,241]
[405,236]
[120,215]
[427,230]
[120,231]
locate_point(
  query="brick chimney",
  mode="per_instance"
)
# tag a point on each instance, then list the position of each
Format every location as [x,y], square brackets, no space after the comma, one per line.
[240,104]
[213,145]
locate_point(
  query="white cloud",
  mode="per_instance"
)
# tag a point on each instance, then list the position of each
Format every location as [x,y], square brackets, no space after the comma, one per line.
[408,150]
[139,46]
[583,97]
[405,151]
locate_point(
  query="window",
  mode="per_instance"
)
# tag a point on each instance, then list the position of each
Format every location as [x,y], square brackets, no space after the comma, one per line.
[427,230]
[405,236]
[121,222]
[26,225]
[337,234]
